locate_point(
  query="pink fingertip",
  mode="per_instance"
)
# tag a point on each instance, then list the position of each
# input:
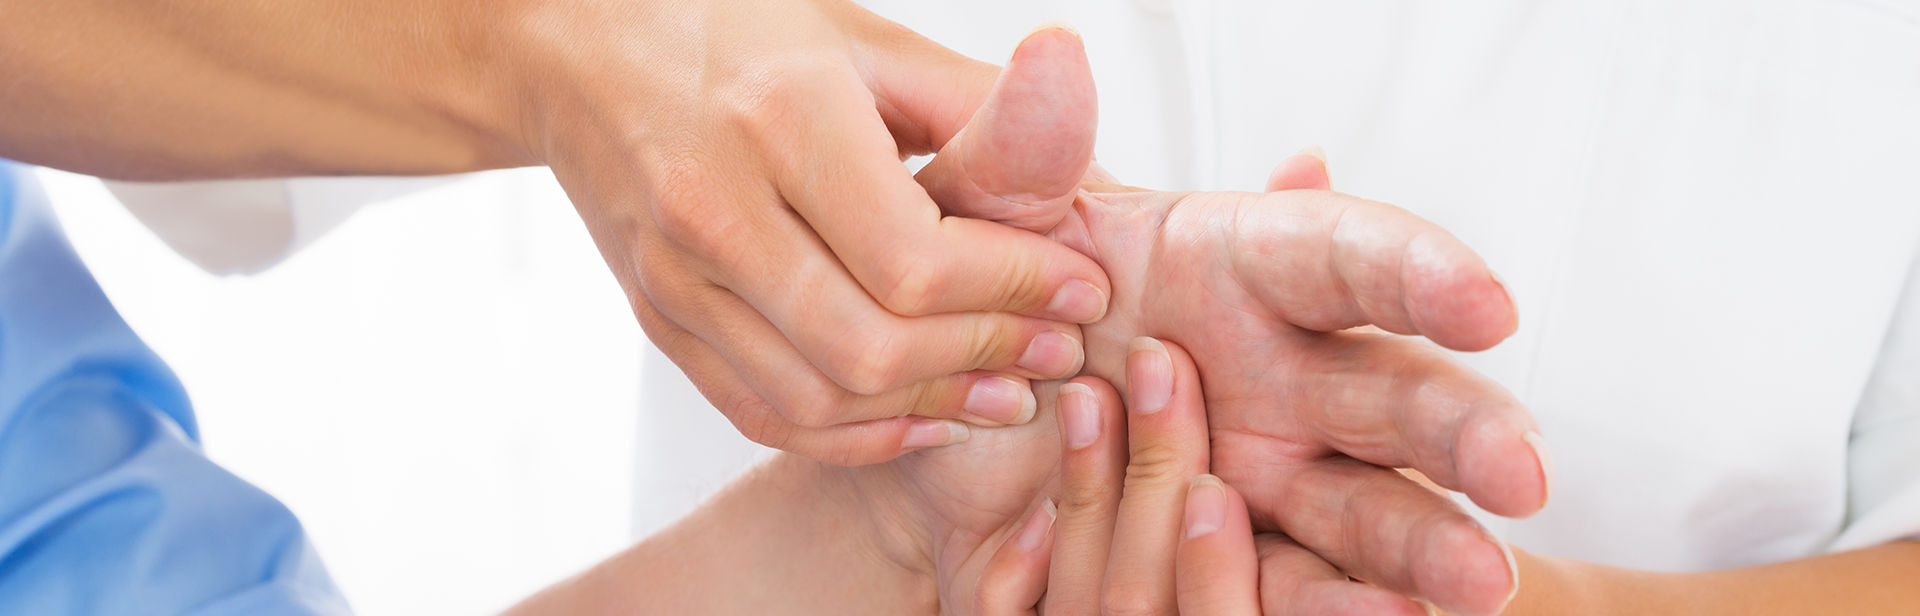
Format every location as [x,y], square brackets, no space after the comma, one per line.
[935,433]
[1306,170]
[1538,442]
[1053,355]
[1149,376]
[1081,412]
[1468,572]
[1034,533]
[1206,506]
[1001,399]
[1078,301]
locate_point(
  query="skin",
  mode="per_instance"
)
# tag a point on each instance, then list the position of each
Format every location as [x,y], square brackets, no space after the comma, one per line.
[718,173]
[738,164]
[1307,411]
[720,169]
[928,532]
[954,517]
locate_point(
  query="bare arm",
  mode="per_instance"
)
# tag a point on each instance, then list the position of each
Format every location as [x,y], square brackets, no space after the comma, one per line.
[722,153]
[1876,580]
[791,537]
[202,88]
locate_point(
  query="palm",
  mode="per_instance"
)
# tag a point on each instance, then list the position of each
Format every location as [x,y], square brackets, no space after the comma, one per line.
[1264,290]
[1231,276]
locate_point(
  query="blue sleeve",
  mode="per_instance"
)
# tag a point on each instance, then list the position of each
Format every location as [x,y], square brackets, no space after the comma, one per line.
[107,505]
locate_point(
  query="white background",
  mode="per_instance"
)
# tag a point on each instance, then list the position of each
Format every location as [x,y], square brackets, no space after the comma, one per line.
[445,389]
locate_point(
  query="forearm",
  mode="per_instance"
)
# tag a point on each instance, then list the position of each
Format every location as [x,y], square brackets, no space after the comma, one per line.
[790,537]
[180,89]
[1876,580]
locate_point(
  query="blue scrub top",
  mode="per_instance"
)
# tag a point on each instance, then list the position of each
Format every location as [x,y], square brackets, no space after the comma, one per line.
[107,505]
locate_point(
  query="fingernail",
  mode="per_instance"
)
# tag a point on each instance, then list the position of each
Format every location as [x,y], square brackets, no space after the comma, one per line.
[1002,400]
[1078,301]
[1055,25]
[1314,151]
[1317,152]
[935,433]
[1081,410]
[1034,533]
[1513,567]
[1149,375]
[1206,506]
[1539,444]
[1052,354]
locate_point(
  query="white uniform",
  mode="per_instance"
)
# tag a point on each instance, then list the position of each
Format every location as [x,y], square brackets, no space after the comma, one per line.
[1707,211]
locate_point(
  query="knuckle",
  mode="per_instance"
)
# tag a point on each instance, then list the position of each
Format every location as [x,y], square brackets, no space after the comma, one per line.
[989,597]
[909,284]
[659,282]
[866,361]
[996,339]
[929,398]
[1154,464]
[1131,599]
[1087,498]
[813,411]
[771,104]
[1071,606]
[758,421]
[1025,285]
[691,210]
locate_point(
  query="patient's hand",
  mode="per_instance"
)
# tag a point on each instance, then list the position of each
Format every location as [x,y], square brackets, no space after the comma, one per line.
[1305,413]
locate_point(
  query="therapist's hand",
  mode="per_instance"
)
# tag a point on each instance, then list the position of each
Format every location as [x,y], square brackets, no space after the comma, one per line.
[1306,412]
[738,163]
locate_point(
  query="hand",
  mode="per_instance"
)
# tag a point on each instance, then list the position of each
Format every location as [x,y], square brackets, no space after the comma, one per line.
[746,187]
[1142,517]
[738,163]
[1305,412]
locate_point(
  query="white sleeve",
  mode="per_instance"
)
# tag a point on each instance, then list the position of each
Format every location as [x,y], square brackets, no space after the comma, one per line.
[246,226]
[1883,457]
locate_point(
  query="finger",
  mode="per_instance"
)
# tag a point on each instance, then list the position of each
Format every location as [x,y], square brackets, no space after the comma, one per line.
[853,444]
[799,388]
[1295,581]
[1376,525]
[1306,170]
[1167,448]
[1217,571]
[800,392]
[1015,579]
[1326,261]
[784,272]
[1093,467]
[1399,402]
[1020,161]
[925,92]
[850,187]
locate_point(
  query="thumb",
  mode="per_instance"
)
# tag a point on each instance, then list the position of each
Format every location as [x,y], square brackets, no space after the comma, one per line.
[1306,170]
[1021,158]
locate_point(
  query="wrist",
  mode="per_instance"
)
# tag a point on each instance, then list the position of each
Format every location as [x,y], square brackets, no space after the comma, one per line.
[790,536]
[1566,587]
[868,536]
